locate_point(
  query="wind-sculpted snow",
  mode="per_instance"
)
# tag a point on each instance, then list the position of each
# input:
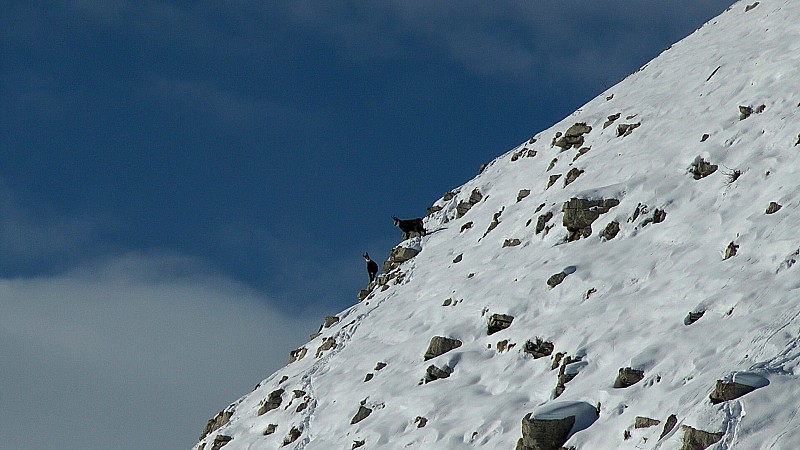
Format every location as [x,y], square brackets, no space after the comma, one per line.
[661,301]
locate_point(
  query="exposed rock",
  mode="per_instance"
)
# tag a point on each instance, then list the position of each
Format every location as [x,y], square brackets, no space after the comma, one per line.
[659,215]
[669,425]
[524,153]
[522,194]
[773,207]
[380,365]
[693,317]
[465,206]
[329,343]
[538,348]
[698,439]
[498,322]
[433,373]
[572,175]
[301,407]
[611,230]
[297,355]
[730,251]
[220,441]
[466,226]
[556,279]
[747,111]
[573,137]
[294,434]
[362,294]
[447,302]
[283,379]
[557,360]
[552,164]
[552,180]
[589,293]
[538,434]
[541,222]
[511,242]
[750,7]
[368,377]
[645,422]
[298,393]
[273,401]
[728,391]
[362,413]
[421,421]
[449,196]
[564,376]
[495,222]
[625,129]
[434,209]
[357,444]
[219,421]
[398,256]
[440,345]
[545,430]
[271,428]
[628,377]
[798,141]
[611,119]
[482,168]
[705,137]
[458,258]
[581,152]
[700,168]
[580,213]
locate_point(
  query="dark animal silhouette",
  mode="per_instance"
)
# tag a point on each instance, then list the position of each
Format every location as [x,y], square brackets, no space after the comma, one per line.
[409,226]
[372,268]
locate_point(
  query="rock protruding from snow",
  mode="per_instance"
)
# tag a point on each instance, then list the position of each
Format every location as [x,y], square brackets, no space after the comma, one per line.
[551,425]
[216,423]
[220,441]
[573,137]
[579,214]
[538,348]
[737,385]
[498,322]
[433,373]
[693,316]
[701,168]
[611,230]
[398,256]
[440,345]
[645,422]
[694,439]
[465,206]
[773,207]
[362,413]
[627,377]
[271,402]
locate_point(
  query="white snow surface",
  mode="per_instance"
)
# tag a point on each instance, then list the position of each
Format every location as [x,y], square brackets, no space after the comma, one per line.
[642,283]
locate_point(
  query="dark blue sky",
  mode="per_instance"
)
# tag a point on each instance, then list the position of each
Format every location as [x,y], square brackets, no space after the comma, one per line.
[269,144]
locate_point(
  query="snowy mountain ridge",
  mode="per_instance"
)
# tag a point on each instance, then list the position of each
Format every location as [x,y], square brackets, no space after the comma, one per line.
[623,280]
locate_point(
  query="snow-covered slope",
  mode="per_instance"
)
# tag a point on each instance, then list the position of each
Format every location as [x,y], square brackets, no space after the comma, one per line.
[687,243]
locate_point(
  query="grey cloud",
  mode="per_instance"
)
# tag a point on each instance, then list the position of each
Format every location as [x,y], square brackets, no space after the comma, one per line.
[131,352]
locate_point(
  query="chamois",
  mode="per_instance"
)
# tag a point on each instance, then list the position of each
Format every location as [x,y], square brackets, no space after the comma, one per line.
[372,268]
[409,226]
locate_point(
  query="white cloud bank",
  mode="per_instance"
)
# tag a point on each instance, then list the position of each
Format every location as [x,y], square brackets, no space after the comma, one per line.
[132,352]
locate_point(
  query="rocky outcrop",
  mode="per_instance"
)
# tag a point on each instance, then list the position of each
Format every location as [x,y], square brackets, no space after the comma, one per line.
[698,439]
[645,422]
[579,214]
[538,434]
[220,441]
[611,119]
[273,401]
[538,348]
[572,175]
[398,256]
[511,242]
[610,231]
[433,373]
[440,345]
[773,208]
[625,129]
[297,355]
[693,316]
[730,250]
[541,222]
[329,343]
[362,413]
[219,421]
[669,425]
[271,429]
[701,168]
[628,377]
[522,194]
[724,391]
[556,279]
[294,434]
[498,322]
[573,137]
[465,206]
[524,153]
